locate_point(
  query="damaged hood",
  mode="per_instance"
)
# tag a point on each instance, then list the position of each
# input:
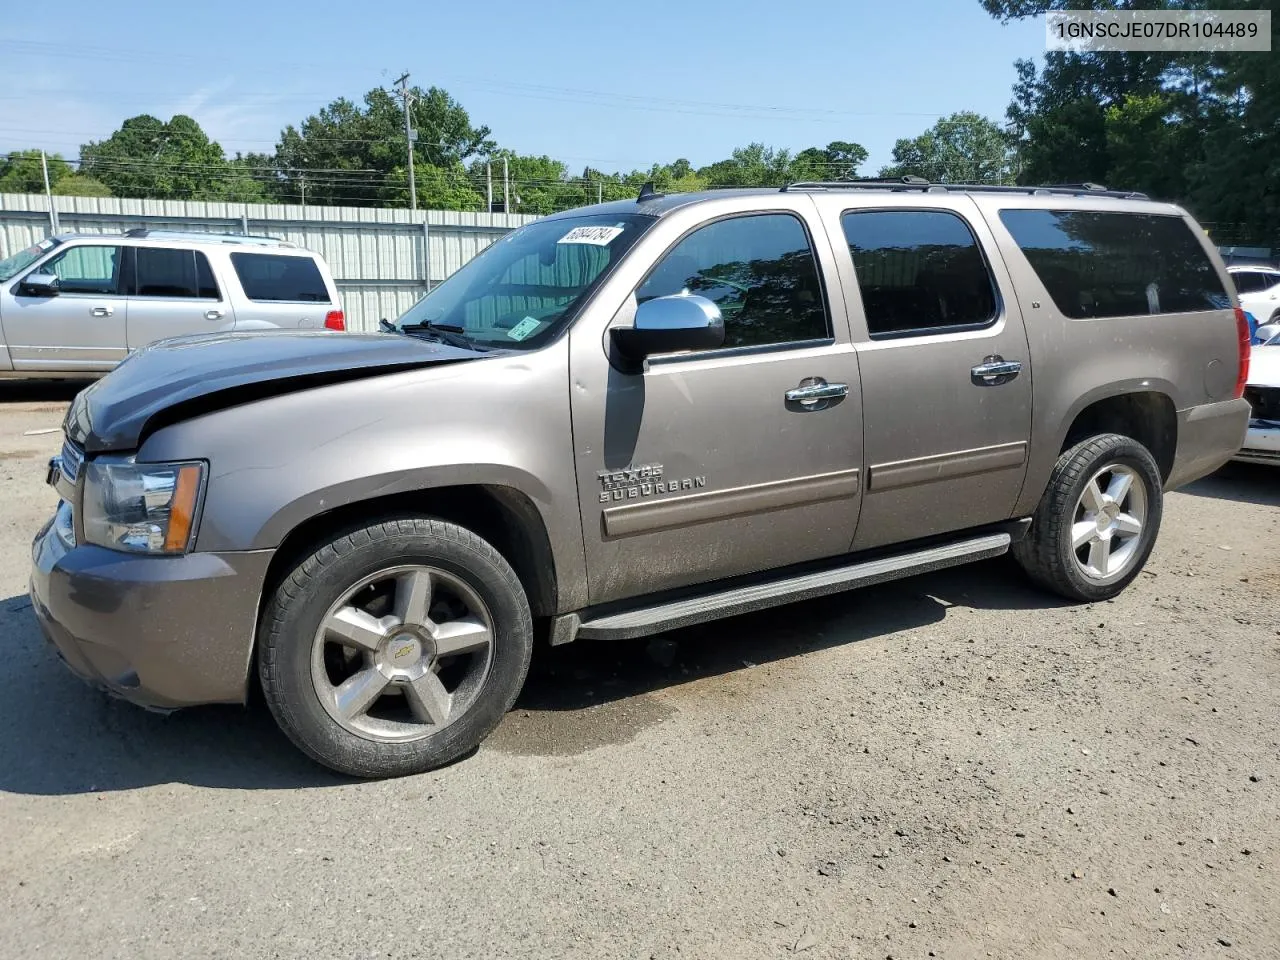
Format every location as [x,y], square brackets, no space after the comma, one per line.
[185,376]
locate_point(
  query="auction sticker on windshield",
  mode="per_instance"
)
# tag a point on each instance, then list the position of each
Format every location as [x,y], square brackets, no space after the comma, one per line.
[523,328]
[596,236]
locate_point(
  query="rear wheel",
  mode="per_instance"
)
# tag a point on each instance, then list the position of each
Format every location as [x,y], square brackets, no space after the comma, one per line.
[1097,521]
[395,648]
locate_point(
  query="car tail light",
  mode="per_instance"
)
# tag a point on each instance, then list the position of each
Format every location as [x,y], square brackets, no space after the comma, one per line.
[335,320]
[1242,332]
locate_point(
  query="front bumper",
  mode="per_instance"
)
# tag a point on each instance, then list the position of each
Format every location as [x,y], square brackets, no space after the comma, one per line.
[1208,436]
[1261,443]
[163,632]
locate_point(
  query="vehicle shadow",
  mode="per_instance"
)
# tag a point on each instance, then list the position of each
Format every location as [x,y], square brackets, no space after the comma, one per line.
[589,673]
[40,391]
[64,737]
[1241,482]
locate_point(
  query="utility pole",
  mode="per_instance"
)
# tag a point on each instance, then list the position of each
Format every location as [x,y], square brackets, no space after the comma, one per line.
[53,214]
[302,180]
[409,137]
[506,188]
[488,184]
[599,191]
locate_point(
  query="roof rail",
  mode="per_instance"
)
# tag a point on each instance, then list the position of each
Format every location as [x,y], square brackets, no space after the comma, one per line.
[919,184]
[146,233]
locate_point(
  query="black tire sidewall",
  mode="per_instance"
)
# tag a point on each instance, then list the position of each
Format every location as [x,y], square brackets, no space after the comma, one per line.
[1120,451]
[296,610]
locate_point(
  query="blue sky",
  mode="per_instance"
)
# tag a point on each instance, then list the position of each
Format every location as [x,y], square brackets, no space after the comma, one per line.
[613,85]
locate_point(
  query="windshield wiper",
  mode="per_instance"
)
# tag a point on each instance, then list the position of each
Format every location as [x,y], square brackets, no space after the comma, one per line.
[443,332]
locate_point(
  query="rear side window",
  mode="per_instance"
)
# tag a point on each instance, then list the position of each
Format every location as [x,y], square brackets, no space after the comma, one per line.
[919,271]
[1248,282]
[174,274]
[271,277]
[1100,264]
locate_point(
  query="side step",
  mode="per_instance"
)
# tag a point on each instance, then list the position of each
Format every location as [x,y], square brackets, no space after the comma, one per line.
[690,610]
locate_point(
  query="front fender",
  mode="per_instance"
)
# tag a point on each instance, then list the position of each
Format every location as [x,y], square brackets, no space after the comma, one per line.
[372,487]
[278,462]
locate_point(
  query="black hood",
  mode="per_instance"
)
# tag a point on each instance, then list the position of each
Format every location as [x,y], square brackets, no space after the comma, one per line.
[174,379]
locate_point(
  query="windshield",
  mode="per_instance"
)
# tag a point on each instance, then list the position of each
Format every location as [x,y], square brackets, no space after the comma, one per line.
[521,290]
[10,267]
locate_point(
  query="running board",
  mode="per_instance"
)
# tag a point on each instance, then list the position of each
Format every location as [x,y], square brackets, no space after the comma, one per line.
[661,617]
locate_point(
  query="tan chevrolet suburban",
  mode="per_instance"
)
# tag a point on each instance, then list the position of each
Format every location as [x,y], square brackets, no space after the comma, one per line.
[627,418]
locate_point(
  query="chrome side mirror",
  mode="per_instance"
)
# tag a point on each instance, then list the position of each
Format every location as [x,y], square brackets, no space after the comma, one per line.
[39,285]
[670,324]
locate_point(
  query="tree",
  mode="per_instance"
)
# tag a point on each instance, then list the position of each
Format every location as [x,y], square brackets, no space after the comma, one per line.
[962,148]
[349,154]
[78,185]
[21,172]
[1194,127]
[838,160]
[539,185]
[754,165]
[147,157]
[1142,134]
[439,188]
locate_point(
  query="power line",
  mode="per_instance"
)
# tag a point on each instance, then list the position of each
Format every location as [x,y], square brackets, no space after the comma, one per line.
[514,88]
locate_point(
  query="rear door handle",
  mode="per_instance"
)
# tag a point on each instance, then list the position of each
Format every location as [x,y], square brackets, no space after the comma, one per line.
[101,311]
[995,370]
[214,314]
[813,390]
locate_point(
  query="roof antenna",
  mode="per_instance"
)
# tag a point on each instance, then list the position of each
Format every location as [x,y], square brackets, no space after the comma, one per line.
[647,193]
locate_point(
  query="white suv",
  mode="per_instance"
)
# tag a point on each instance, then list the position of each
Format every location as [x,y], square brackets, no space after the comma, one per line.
[76,305]
[1259,290]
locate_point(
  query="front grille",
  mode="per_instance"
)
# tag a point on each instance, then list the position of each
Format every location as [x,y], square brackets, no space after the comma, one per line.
[1265,402]
[72,459]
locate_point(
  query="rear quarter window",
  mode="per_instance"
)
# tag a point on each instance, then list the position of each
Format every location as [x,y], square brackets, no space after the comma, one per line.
[1102,264]
[274,277]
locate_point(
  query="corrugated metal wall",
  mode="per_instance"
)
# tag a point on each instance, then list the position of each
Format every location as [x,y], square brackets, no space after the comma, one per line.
[377,256]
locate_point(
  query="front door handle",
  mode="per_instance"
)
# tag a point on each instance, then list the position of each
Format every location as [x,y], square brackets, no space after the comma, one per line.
[101,311]
[995,370]
[813,390]
[214,314]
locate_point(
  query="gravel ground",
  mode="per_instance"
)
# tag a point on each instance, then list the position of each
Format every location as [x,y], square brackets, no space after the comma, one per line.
[951,766]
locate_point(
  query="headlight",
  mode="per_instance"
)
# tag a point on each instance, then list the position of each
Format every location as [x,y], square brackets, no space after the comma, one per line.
[141,507]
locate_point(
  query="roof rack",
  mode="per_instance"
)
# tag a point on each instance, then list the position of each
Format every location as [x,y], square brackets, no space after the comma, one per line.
[909,184]
[146,233]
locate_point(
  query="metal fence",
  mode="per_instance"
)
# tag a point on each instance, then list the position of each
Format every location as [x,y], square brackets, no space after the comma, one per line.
[382,260]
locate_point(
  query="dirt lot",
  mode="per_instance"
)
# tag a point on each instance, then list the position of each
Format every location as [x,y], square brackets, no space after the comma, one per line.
[951,766]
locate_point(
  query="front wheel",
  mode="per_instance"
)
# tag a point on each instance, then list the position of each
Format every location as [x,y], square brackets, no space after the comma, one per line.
[1097,521]
[395,648]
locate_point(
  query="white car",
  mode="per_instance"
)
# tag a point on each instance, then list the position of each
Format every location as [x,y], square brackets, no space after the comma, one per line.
[75,305]
[1262,442]
[1259,290]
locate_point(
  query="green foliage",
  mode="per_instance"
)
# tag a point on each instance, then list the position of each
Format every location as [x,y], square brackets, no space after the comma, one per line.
[20,172]
[961,148]
[78,185]
[754,165]
[349,154]
[147,157]
[838,160]
[1195,128]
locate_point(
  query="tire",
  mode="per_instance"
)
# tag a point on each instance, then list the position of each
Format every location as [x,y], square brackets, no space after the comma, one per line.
[1047,554]
[388,604]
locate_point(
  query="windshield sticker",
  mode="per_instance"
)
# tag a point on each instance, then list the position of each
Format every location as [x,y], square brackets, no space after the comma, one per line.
[523,328]
[595,236]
